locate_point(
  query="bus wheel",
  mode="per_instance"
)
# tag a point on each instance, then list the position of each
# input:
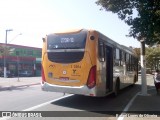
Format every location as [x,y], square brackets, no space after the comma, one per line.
[116,91]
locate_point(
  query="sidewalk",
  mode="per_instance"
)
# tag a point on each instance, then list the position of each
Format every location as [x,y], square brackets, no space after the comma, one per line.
[9,83]
[149,102]
[145,106]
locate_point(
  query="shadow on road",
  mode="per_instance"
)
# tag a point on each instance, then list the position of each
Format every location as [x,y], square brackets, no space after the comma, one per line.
[21,87]
[109,105]
[11,88]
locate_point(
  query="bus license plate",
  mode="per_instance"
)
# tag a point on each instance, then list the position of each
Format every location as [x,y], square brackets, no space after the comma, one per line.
[64,78]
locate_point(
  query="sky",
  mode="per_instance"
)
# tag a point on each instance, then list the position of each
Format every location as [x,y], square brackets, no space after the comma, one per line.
[31,20]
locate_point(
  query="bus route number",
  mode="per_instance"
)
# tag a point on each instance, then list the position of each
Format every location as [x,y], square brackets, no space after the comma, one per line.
[75,66]
[67,40]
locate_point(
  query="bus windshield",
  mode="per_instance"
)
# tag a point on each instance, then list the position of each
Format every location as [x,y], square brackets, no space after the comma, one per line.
[67,41]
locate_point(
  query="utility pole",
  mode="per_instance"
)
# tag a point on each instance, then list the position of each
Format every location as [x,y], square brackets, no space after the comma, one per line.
[143,69]
[5,68]
[17,53]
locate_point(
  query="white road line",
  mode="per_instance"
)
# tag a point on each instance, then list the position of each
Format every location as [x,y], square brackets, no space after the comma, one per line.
[40,105]
[121,117]
[46,103]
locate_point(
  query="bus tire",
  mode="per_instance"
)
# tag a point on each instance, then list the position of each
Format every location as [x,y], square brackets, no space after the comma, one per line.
[117,88]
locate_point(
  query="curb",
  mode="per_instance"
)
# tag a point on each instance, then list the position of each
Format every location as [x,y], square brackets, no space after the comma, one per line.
[12,87]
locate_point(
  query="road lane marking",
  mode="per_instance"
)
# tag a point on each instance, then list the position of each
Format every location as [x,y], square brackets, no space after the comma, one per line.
[40,105]
[46,103]
[121,117]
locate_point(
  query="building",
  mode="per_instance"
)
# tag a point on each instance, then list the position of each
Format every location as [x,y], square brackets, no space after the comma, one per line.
[20,58]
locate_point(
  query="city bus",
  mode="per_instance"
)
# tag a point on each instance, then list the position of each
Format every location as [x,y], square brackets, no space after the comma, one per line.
[86,62]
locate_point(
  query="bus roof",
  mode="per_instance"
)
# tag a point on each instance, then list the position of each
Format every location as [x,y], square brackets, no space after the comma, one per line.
[66,31]
[101,36]
[112,42]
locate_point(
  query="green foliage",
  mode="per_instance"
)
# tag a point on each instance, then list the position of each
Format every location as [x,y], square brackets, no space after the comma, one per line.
[146,25]
[6,51]
[152,57]
[137,52]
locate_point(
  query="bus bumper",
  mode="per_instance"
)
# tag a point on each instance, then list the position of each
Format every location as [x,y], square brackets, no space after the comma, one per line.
[81,90]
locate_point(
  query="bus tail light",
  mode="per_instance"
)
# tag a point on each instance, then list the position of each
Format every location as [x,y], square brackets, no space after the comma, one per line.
[91,82]
[43,76]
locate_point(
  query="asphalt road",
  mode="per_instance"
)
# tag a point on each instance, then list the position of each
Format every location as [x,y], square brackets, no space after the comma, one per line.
[24,97]
[33,99]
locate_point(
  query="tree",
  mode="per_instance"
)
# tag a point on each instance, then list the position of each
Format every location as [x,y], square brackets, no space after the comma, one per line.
[144,26]
[6,51]
[153,57]
[137,52]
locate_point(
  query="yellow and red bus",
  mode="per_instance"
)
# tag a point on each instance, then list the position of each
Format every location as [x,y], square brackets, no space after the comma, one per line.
[86,62]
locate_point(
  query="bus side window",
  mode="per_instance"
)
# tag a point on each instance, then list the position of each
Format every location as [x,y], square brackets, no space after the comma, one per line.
[121,58]
[117,57]
[101,52]
[117,54]
[127,62]
[125,59]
